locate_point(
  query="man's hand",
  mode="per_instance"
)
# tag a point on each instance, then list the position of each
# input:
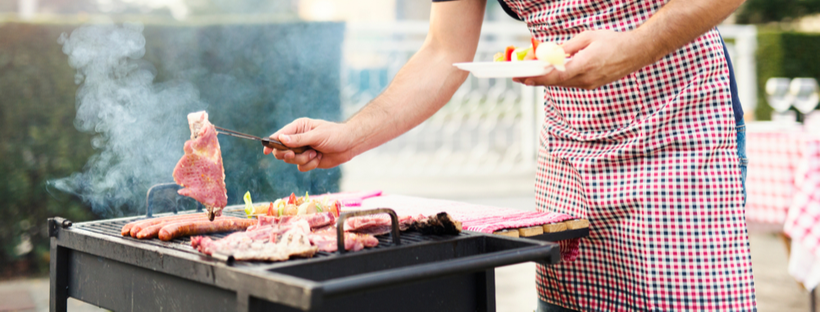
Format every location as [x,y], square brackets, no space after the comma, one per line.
[598,58]
[603,56]
[331,144]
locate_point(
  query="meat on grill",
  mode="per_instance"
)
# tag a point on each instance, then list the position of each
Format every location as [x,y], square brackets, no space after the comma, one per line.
[325,239]
[277,230]
[226,224]
[315,220]
[378,224]
[152,231]
[280,238]
[439,224]
[133,228]
[200,170]
[256,245]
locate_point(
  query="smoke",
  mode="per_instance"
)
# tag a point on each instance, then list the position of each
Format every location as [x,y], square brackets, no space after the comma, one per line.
[257,76]
[139,125]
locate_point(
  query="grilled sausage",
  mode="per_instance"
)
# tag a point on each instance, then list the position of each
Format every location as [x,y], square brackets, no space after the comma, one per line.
[139,225]
[152,231]
[126,229]
[175,230]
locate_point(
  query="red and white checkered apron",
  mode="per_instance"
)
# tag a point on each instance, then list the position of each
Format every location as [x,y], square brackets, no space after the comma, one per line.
[651,160]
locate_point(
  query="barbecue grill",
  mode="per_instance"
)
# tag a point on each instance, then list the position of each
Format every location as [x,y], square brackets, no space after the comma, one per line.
[92,262]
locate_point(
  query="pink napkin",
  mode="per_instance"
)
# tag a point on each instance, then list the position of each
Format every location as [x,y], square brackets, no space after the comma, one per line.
[351,199]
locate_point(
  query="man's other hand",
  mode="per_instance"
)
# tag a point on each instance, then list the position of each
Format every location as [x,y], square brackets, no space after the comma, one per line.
[598,58]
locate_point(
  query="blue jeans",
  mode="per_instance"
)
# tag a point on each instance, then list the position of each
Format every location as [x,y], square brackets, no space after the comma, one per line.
[741,153]
[549,307]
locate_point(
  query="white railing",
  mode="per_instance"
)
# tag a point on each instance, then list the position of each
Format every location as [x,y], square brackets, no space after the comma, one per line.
[490,126]
[487,128]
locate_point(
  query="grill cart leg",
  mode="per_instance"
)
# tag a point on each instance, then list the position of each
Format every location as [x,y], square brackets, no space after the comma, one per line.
[486,289]
[242,299]
[58,272]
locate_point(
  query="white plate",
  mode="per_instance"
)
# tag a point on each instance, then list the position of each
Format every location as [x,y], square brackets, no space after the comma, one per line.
[506,69]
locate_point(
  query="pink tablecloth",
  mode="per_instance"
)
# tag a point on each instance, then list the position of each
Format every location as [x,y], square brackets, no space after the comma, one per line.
[773,157]
[784,188]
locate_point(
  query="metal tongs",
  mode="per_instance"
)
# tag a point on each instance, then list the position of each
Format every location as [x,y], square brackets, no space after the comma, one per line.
[267,142]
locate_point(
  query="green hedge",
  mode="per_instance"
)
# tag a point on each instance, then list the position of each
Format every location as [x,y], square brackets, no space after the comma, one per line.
[784,54]
[38,142]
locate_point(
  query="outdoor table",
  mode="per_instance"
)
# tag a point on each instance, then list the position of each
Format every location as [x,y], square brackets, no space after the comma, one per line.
[783,186]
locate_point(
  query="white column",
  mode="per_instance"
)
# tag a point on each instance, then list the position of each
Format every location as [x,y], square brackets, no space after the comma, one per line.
[743,59]
[528,129]
[27,9]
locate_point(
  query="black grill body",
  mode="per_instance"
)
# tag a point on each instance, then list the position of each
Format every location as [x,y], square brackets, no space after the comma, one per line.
[92,262]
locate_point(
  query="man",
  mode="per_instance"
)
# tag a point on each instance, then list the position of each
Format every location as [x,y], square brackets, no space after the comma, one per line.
[640,137]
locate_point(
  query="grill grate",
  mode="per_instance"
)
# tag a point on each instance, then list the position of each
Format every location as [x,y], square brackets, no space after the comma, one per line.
[114,227]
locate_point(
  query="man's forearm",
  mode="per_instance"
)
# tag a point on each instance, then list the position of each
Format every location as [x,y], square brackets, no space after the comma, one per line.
[420,89]
[681,21]
[427,81]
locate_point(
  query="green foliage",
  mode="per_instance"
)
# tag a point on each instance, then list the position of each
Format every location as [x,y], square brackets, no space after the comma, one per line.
[38,142]
[766,11]
[784,54]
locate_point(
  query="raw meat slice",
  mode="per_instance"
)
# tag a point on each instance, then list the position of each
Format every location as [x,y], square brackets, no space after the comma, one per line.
[378,224]
[325,239]
[293,243]
[315,220]
[279,229]
[200,170]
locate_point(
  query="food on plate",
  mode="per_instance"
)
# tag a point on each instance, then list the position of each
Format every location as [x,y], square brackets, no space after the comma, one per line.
[551,53]
[200,171]
[378,224]
[439,224]
[225,224]
[544,51]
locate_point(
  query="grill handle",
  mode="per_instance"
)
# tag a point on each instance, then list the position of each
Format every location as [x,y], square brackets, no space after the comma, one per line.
[149,198]
[542,252]
[340,225]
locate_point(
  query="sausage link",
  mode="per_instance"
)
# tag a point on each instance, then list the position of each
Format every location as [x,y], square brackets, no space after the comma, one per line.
[152,231]
[175,230]
[126,229]
[139,225]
